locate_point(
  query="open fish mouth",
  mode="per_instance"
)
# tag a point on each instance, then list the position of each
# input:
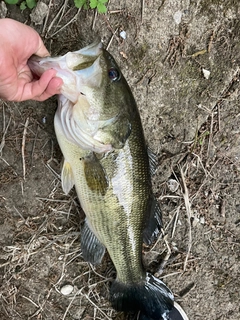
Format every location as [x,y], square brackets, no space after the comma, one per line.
[77,69]
[76,60]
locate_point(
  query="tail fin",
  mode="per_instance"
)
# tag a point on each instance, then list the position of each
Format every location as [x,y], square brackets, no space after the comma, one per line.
[152,297]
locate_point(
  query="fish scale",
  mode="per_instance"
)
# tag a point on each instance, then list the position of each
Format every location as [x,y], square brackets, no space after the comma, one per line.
[105,216]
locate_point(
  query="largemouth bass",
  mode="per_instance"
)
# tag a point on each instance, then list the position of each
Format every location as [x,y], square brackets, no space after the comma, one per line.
[99,131]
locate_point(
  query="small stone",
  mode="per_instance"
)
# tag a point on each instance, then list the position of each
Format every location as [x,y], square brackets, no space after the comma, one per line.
[39,13]
[202,220]
[66,289]
[173,185]
[195,221]
[3,10]
[123,34]
[177,17]
[206,73]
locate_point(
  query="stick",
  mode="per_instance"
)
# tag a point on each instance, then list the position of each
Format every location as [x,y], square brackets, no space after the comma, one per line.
[110,42]
[46,19]
[23,147]
[69,22]
[142,11]
[94,19]
[188,209]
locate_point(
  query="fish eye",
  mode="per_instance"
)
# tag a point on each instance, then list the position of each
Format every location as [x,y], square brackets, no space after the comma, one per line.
[113,74]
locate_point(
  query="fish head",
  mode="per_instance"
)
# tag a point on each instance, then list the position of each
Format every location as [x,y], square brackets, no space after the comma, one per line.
[105,99]
[100,80]
[96,104]
[105,103]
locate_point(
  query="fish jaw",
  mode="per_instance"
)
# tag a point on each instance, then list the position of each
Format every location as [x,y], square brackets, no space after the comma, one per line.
[40,65]
[77,69]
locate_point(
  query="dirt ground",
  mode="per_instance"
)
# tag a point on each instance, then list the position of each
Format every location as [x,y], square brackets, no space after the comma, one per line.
[181,59]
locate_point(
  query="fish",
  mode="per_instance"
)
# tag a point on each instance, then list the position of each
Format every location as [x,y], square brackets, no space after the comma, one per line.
[106,158]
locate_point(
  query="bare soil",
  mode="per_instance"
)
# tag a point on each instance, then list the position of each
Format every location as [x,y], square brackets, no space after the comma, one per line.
[191,120]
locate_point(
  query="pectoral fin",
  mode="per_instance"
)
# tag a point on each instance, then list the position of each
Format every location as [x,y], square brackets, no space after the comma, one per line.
[95,175]
[153,222]
[92,249]
[67,177]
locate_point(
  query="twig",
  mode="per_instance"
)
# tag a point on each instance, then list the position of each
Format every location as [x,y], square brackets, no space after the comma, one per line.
[210,136]
[46,19]
[166,258]
[207,173]
[110,27]
[110,42]
[25,221]
[219,117]
[170,274]
[188,210]
[168,196]
[175,221]
[30,300]
[69,22]
[94,19]
[106,317]
[71,302]
[214,250]
[58,176]
[142,11]
[61,11]
[23,147]
[5,129]
[116,11]
[180,263]
[34,144]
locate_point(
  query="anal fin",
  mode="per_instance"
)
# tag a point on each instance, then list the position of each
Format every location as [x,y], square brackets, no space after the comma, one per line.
[153,223]
[92,249]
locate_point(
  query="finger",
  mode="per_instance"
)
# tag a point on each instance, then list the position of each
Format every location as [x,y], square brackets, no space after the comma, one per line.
[54,87]
[43,88]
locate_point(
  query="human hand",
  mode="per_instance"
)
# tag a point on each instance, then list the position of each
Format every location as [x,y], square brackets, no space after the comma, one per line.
[18,43]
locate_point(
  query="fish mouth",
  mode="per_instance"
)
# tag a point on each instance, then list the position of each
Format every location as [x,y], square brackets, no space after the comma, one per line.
[71,61]
[77,69]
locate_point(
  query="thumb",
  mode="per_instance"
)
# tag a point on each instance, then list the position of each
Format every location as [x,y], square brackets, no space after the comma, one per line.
[42,50]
